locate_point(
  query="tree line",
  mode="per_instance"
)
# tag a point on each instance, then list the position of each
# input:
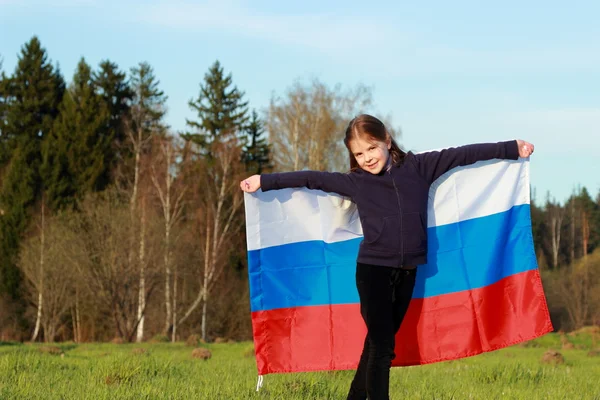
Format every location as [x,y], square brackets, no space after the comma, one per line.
[567,243]
[112,225]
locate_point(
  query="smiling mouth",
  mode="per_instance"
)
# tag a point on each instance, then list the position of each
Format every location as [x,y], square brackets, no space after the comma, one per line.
[371,165]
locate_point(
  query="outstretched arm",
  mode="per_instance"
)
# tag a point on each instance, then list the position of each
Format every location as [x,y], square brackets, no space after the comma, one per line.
[433,164]
[333,182]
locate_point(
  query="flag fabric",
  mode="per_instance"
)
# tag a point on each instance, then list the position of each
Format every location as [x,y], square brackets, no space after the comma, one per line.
[480,290]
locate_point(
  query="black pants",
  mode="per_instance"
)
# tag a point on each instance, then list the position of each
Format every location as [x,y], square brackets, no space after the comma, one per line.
[384,293]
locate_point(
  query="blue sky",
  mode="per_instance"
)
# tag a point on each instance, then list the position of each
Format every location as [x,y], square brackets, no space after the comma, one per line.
[448,73]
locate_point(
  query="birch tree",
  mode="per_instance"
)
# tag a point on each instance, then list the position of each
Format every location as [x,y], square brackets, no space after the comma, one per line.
[143,123]
[44,261]
[40,281]
[219,204]
[171,193]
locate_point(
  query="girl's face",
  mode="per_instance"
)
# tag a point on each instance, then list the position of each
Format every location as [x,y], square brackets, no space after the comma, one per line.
[371,155]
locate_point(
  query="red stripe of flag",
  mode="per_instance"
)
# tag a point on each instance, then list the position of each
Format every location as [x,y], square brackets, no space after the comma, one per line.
[438,328]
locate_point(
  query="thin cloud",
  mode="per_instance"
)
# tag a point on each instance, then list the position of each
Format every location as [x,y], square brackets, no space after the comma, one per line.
[407,52]
[318,31]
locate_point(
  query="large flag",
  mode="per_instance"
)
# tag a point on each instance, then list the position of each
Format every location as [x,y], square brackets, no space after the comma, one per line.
[480,290]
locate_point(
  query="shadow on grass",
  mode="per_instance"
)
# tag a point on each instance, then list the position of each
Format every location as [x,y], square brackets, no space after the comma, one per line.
[67,347]
[10,343]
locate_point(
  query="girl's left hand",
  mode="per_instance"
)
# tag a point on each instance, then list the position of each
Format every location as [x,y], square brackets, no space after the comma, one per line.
[525,148]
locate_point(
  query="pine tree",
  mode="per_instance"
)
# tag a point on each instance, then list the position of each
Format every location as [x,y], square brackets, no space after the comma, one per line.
[256,151]
[78,150]
[32,95]
[4,155]
[112,85]
[3,79]
[148,106]
[220,107]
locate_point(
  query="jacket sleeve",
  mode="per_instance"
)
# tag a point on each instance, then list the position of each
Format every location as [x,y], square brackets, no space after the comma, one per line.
[433,164]
[333,182]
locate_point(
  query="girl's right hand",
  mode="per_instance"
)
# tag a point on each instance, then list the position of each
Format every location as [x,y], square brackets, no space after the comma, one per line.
[251,184]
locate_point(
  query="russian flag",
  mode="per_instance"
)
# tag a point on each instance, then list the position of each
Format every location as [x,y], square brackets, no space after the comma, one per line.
[480,290]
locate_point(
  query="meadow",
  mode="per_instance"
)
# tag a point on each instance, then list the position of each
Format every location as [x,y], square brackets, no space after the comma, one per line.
[168,371]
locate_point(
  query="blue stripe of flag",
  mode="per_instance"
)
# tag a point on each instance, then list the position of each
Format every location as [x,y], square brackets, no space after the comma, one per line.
[461,256]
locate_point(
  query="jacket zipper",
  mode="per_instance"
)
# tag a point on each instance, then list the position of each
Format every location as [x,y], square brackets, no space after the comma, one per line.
[401,221]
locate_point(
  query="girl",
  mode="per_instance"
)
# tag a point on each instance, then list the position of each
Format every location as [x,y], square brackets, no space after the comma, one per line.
[390,189]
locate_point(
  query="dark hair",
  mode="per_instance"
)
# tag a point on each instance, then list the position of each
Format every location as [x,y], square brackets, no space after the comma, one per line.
[367,125]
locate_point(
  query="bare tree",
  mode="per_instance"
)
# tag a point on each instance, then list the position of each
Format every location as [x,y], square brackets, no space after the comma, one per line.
[103,259]
[44,261]
[578,287]
[220,201]
[284,124]
[572,228]
[171,197]
[306,126]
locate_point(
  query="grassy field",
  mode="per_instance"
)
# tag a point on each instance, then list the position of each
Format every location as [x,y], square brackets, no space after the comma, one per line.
[167,371]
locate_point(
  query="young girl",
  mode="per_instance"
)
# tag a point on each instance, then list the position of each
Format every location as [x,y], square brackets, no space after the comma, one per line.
[390,189]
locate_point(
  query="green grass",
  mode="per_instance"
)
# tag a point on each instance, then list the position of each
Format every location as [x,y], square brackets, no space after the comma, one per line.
[167,371]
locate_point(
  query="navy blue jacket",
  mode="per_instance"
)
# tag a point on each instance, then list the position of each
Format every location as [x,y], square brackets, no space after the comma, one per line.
[393,204]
